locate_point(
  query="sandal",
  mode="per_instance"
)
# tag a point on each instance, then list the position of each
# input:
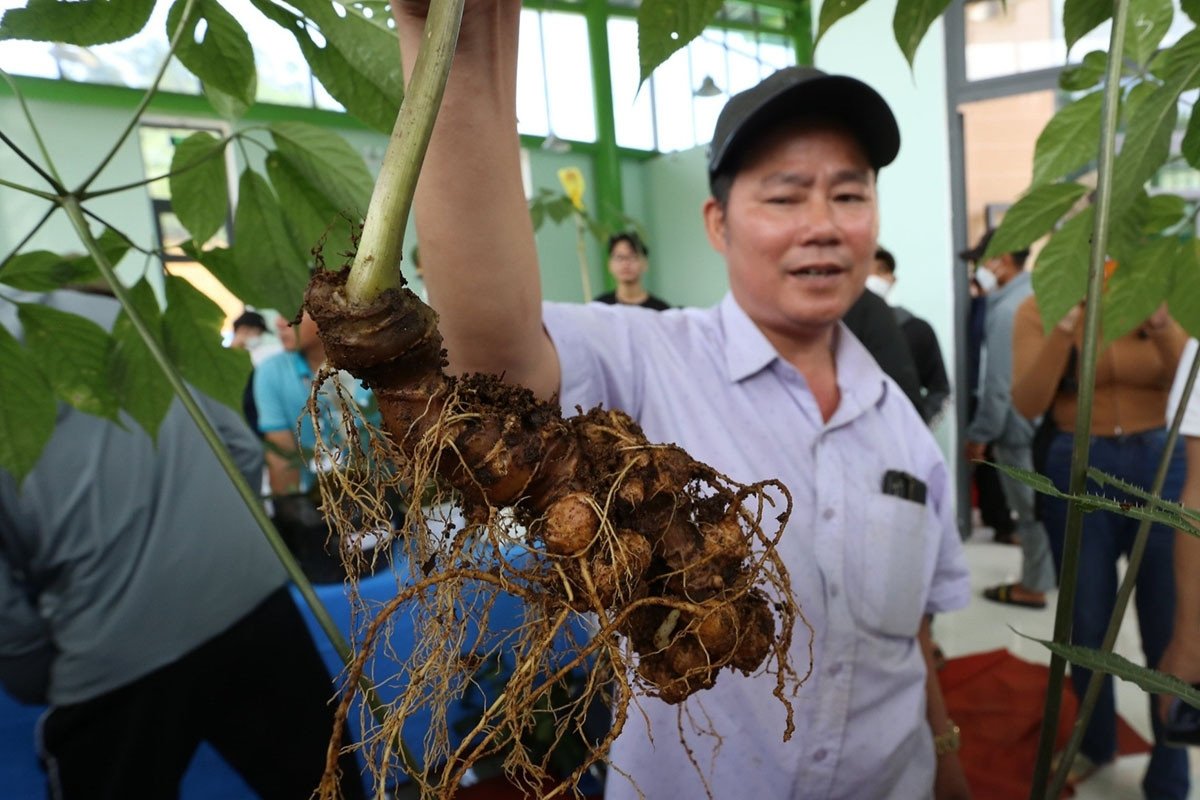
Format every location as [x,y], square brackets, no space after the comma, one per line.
[1004,594]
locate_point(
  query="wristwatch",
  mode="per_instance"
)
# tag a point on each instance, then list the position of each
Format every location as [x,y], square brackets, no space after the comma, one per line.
[948,742]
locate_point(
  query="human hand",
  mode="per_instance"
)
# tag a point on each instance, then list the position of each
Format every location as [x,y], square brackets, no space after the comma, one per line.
[976,451]
[950,783]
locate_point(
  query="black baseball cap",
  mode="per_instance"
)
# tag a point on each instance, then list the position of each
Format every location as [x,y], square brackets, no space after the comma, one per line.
[801,91]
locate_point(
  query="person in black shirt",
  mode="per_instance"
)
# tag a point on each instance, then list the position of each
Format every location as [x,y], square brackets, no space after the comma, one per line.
[627,261]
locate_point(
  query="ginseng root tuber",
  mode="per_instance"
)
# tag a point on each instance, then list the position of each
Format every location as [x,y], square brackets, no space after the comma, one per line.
[668,554]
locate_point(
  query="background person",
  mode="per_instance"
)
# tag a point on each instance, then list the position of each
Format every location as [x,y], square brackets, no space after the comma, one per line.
[1133,378]
[766,383]
[628,262]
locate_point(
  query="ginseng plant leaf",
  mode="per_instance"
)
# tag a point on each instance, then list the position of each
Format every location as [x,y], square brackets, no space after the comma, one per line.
[832,11]
[73,354]
[1060,277]
[665,26]
[199,185]
[911,22]
[1070,139]
[215,49]
[1184,300]
[1152,681]
[309,216]
[357,59]
[81,22]
[139,382]
[27,408]
[264,250]
[43,271]
[1137,287]
[1086,74]
[328,162]
[1148,22]
[191,328]
[1080,17]
[1033,216]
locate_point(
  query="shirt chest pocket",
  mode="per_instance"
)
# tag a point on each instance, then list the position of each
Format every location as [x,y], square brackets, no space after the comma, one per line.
[886,563]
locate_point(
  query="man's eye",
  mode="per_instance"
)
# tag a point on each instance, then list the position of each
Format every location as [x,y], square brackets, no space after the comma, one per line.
[850,197]
[783,199]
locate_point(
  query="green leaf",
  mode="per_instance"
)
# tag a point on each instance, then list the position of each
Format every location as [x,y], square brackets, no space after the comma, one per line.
[221,56]
[832,11]
[1180,63]
[1190,146]
[1184,302]
[200,193]
[1104,479]
[1086,74]
[1070,140]
[537,214]
[1137,287]
[83,22]
[1060,276]
[1148,22]
[72,352]
[358,63]
[27,408]
[1147,143]
[560,209]
[1163,211]
[310,218]
[1150,680]
[136,377]
[264,250]
[665,26]
[1192,9]
[328,162]
[1138,94]
[912,21]
[43,271]
[1032,216]
[1080,17]
[192,333]
[226,105]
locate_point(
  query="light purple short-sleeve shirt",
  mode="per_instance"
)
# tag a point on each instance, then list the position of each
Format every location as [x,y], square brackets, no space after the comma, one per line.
[865,566]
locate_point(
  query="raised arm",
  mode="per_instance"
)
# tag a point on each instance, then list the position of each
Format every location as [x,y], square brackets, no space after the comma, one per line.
[477,246]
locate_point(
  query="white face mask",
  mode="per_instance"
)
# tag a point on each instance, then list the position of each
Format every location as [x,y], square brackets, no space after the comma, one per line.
[879,284]
[985,278]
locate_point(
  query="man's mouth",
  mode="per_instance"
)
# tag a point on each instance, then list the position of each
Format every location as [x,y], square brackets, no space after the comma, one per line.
[818,271]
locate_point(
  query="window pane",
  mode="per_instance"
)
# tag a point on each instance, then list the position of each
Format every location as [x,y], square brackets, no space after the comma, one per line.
[708,62]
[572,108]
[283,74]
[632,113]
[673,104]
[532,115]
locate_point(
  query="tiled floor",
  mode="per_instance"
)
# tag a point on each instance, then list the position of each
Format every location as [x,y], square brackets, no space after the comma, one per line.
[985,625]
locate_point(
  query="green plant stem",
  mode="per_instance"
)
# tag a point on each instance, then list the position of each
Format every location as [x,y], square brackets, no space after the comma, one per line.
[1096,682]
[36,167]
[377,264]
[28,190]
[74,212]
[581,251]
[146,98]
[1068,579]
[216,151]
[32,231]
[56,179]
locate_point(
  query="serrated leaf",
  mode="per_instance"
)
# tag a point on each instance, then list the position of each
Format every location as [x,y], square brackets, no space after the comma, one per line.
[72,352]
[1060,276]
[191,328]
[1070,140]
[1184,302]
[1033,216]
[43,271]
[912,21]
[1081,17]
[1137,287]
[136,377]
[560,209]
[1101,478]
[199,185]
[82,22]
[27,408]
[220,56]
[328,162]
[665,26]
[1190,146]
[1085,74]
[1150,680]
[832,11]
[1148,22]
[1146,145]
[226,105]
[310,218]
[358,62]
[264,250]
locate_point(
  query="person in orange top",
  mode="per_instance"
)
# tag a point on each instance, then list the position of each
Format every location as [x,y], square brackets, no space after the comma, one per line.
[1133,378]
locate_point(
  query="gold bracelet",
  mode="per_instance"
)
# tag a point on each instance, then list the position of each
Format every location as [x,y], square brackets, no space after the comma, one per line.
[948,742]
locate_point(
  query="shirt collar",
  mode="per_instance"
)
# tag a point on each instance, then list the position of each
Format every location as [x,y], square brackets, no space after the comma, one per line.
[747,351]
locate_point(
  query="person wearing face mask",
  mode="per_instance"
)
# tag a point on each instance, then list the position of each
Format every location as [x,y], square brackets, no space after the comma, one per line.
[998,424]
[922,341]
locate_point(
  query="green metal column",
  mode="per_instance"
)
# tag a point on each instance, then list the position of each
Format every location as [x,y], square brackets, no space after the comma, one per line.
[610,198]
[800,25]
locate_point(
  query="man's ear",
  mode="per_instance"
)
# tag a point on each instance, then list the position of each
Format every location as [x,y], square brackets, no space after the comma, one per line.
[714,224]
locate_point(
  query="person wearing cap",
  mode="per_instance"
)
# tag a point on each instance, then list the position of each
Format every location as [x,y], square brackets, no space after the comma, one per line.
[627,263]
[766,384]
[996,423]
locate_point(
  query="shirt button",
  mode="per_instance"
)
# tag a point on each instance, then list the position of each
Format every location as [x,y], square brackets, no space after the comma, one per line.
[833,590]
[827,513]
[819,756]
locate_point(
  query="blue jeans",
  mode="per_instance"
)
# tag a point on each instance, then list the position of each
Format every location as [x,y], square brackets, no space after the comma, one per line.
[1106,537]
